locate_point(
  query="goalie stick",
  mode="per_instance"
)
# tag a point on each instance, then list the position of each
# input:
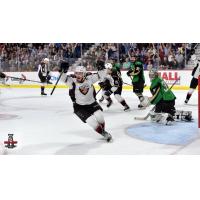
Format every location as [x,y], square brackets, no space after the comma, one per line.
[149,113]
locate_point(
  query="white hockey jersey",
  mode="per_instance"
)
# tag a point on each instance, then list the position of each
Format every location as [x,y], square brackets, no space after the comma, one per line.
[196,70]
[43,69]
[84,92]
[104,76]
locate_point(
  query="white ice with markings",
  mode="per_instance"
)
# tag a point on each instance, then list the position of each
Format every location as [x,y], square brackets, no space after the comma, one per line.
[46,125]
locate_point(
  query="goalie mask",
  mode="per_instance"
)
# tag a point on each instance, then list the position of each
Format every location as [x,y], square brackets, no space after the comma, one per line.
[80,73]
[153,73]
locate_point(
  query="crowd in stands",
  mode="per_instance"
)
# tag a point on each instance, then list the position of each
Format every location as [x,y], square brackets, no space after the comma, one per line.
[27,56]
[157,55]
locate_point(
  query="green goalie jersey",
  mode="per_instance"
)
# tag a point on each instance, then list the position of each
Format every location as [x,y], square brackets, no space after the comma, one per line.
[160,91]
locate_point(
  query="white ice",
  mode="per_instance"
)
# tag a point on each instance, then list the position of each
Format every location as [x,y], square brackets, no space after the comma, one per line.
[47,125]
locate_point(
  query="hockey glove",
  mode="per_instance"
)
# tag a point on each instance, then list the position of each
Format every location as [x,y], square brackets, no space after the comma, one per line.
[2,75]
[102,84]
[129,72]
[107,93]
[88,73]
[64,66]
[100,65]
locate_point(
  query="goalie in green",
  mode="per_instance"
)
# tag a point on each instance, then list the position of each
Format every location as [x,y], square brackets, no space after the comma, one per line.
[164,100]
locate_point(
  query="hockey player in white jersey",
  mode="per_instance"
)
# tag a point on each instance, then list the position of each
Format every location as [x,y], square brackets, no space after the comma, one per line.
[110,83]
[43,73]
[194,81]
[83,96]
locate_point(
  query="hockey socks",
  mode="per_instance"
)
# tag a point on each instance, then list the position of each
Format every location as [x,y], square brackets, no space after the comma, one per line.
[188,97]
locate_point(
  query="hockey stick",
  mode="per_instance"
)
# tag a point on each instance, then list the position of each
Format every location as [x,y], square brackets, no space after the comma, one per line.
[57,82]
[127,84]
[98,91]
[149,113]
[23,79]
[132,85]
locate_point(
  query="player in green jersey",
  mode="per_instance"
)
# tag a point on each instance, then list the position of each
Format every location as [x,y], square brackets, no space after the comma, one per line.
[164,100]
[136,73]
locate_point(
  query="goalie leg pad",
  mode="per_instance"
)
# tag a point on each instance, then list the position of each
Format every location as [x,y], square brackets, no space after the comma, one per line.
[183,115]
[163,118]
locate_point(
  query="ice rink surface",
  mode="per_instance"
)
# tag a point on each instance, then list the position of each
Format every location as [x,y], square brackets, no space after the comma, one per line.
[46,125]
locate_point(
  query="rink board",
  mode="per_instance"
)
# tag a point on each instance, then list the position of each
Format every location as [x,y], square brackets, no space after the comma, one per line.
[169,77]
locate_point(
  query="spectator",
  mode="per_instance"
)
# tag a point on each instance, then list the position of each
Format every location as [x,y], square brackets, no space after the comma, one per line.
[180,59]
[25,56]
[126,64]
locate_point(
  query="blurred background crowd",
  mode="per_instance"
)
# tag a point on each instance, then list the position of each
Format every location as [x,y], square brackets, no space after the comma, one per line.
[27,56]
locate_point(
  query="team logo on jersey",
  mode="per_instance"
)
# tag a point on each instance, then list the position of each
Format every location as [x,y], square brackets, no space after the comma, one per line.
[84,88]
[10,143]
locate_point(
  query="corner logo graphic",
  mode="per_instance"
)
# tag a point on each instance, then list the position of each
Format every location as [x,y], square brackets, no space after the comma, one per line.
[10,143]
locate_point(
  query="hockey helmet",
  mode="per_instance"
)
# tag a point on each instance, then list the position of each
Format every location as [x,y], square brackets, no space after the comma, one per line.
[153,73]
[46,60]
[80,73]
[108,66]
[80,69]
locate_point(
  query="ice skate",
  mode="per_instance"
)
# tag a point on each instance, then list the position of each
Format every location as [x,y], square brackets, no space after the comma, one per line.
[107,136]
[126,108]
[101,100]
[110,102]
[43,94]
[186,101]
[141,106]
